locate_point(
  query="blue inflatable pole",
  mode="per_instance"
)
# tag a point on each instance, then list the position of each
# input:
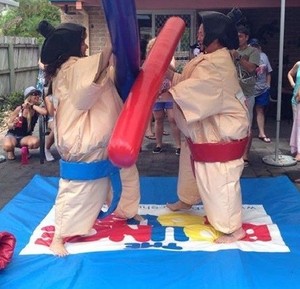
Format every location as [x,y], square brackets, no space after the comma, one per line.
[124,33]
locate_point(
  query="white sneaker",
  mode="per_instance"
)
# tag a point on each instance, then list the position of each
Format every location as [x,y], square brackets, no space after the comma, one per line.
[2,158]
[49,157]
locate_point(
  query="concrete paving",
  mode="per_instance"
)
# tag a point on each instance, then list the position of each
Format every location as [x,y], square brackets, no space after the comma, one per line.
[14,176]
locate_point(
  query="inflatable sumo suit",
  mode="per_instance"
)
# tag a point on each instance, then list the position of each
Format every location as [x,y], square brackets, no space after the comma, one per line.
[88,107]
[213,117]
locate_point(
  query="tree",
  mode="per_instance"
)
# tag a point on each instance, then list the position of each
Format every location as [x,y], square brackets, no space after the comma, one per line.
[23,20]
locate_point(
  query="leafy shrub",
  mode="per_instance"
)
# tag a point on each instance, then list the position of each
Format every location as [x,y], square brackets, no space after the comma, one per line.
[11,101]
[8,103]
[14,99]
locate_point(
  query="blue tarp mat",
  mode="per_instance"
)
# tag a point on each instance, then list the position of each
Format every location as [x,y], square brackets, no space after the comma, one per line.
[155,268]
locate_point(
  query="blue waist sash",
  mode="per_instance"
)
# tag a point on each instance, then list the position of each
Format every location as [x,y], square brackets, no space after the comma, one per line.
[80,171]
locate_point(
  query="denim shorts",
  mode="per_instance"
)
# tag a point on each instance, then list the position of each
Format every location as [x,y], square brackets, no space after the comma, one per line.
[161,105]
[18,138]
[263,99]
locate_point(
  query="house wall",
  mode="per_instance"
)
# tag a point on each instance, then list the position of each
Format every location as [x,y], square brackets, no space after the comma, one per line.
[264,23]
[94,20]
[212,4]
[196,4]
[98,29]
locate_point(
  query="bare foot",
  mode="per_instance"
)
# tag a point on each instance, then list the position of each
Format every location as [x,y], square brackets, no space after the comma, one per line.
[179,205]
[233,237]
[58,248]
[138,218]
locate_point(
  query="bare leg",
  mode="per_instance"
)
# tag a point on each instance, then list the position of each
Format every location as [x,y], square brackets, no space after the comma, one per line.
[58,248]
[9,144]
[246,154]
[49,140]
[48,144]
[179,205]
[149,133]
[174,129]
[11,155]
[250,105]
[260,119]
[159,126]
[233,237]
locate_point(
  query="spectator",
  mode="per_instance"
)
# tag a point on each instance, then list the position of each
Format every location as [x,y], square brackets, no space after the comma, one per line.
[294,80]
[247,60]
[48,103]
[22,122]
[212,114]
[262,90]
[161,108]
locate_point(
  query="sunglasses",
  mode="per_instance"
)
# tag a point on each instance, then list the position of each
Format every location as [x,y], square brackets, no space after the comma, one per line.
[35,94]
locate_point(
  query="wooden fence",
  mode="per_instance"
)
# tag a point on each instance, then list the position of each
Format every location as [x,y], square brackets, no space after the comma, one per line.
[18,63]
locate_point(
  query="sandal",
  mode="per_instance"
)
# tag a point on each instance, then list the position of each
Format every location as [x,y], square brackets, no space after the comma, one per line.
[152,137]
[11,156]
[2,158]
[264,139]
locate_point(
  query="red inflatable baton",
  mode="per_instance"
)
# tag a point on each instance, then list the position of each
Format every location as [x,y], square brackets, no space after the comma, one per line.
[128,133]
